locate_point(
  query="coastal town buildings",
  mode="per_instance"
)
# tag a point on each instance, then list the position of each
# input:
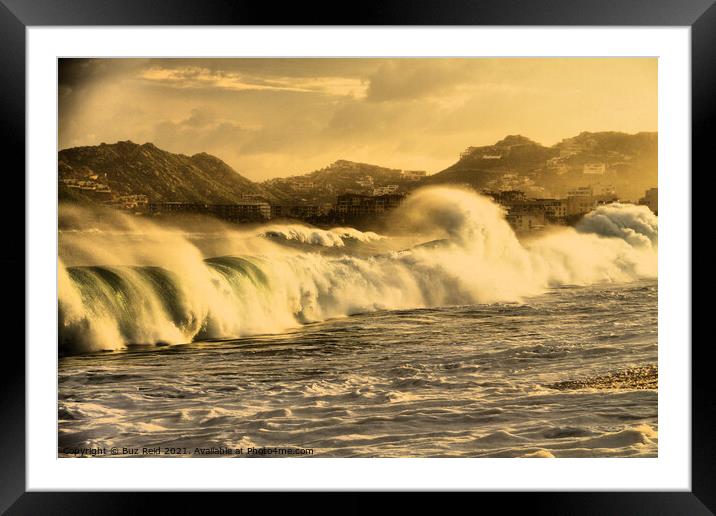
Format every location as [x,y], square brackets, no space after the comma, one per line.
[385,190]
[351,206]
[594,168]
[245,211]
[526,217]
[528,214]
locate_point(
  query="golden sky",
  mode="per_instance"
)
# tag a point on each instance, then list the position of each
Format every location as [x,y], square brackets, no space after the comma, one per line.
[278,117]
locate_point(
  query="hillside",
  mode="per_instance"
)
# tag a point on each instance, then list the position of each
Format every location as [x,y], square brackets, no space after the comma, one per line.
[627,161]
[126,168]
[340,177]
[483,166]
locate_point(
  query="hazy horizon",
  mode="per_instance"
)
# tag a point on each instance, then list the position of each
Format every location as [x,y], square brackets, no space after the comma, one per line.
[279,117]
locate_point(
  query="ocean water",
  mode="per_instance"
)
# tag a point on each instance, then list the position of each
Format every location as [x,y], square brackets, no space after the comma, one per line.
[450,335]
[569,373]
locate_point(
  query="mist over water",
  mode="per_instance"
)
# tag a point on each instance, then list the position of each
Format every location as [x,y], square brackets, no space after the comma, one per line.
[126,280]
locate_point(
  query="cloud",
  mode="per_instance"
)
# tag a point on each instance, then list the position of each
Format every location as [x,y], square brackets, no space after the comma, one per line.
[412,79]
[193,77]
[202,131]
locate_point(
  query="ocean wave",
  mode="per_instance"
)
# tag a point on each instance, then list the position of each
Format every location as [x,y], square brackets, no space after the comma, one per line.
[168,288]
[335,237]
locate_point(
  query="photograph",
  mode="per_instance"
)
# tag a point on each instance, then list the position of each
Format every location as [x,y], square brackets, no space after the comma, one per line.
[377,257]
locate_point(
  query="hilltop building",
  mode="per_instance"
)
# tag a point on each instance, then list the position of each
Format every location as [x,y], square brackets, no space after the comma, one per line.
[385,190]
[594,168]
[467,152]
[301,184]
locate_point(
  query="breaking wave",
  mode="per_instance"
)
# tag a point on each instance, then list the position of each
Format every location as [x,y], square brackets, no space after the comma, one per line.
[335,237]
[127,280]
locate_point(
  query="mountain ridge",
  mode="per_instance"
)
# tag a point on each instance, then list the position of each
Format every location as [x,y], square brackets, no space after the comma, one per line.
[515,162]
[128,168]
[627,161]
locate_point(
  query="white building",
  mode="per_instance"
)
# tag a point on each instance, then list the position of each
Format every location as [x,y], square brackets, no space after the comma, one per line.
[594,168]
[365,181]
[302,185]
[385,190]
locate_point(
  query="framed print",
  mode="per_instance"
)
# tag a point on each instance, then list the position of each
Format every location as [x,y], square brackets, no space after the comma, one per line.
[415,250]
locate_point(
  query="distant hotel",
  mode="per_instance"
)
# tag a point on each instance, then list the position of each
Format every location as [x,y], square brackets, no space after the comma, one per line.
[299,211]
[357,206]
[526,215]
[582,200]
[245,211]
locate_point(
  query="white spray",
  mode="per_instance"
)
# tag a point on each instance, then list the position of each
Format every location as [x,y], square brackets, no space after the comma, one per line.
[125,280]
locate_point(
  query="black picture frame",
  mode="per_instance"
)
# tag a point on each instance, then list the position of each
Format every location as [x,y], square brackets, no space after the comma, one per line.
[17,15]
